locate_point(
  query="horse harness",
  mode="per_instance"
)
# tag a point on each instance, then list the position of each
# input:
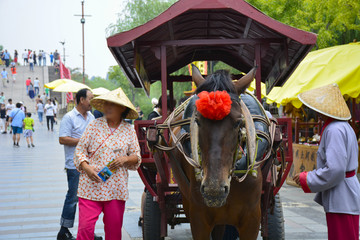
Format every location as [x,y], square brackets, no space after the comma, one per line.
[154,133]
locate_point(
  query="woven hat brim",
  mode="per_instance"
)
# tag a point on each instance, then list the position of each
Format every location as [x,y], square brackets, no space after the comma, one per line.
[324,113]
[99,102]
[332,103]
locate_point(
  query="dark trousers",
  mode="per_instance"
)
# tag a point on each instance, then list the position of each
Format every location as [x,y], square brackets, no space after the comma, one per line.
[50,119]
[69,209]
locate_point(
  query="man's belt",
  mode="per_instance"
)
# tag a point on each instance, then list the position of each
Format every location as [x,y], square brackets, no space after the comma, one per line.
[350,174]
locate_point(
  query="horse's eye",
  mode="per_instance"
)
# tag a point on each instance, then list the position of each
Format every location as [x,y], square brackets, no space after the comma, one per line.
[197,121]
[237,123]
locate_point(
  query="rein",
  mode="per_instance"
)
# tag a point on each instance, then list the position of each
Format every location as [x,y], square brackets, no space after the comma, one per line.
[196,163]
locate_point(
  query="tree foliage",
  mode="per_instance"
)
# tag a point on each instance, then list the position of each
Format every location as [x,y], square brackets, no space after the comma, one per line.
[335,21]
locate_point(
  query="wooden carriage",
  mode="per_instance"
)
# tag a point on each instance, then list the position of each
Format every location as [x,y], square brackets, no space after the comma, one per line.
[231,31]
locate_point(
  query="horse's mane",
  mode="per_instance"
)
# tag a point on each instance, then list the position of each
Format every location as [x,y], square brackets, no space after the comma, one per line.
[218,81]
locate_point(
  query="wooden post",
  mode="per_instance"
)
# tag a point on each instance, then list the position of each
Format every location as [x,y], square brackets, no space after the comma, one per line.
[258,71]
[297,130]
[163,82]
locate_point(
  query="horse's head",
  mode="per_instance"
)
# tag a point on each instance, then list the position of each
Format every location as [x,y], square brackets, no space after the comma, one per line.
[219,117]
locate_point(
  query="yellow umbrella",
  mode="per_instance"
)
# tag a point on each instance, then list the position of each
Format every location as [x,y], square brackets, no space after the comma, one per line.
[70,87]
[100,91]
[56,83]
[338,64]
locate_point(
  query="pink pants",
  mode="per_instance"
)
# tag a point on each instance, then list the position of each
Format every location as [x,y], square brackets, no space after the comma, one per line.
[342,226]
[89,212]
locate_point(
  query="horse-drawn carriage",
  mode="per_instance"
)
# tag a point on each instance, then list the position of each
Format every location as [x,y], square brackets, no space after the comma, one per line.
[188,159]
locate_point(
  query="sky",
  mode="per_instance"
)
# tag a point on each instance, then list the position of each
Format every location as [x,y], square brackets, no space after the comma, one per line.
[42,24]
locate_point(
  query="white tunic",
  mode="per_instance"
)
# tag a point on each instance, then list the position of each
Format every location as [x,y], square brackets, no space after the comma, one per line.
[337,154]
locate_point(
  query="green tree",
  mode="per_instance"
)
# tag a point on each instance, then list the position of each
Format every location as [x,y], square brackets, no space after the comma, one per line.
[138,12]
[335,21]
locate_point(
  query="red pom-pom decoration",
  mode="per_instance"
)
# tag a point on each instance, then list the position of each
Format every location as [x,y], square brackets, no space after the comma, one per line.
[214,105]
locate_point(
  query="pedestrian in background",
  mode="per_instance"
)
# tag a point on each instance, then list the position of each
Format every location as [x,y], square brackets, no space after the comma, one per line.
[7,58]
[47,92]
[108,141]
[16,55]
[72,126]
[56,105]
[43,98]
[40,110]
[51,59]
[27,83]
[29,130]
[44,58]
[25,56]
[31,64]
[37,86]
[9,107]
[334,180]
[49,113]
[40,57]
[2,118]
[17,117]
[31,91]
[13,73]
[33,56]
[4,77]
[2,98]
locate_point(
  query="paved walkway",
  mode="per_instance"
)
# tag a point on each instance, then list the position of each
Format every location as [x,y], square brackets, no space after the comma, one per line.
[33,187]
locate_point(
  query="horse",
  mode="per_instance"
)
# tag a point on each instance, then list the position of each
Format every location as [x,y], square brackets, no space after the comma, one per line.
[212,198]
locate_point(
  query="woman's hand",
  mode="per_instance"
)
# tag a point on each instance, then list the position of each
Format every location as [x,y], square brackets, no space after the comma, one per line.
[90,172]
[297,179]
[126,162]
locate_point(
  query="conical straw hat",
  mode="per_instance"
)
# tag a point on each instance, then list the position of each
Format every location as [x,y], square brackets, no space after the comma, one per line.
[328,101]
[116,96]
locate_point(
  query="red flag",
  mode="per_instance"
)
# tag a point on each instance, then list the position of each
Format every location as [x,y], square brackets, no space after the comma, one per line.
[65,74]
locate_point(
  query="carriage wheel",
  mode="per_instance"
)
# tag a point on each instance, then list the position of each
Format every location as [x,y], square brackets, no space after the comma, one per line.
[276,221]
[152,218]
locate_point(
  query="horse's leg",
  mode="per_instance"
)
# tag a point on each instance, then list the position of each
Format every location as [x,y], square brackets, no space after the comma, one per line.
[250,225]
[218,232]
[200,229]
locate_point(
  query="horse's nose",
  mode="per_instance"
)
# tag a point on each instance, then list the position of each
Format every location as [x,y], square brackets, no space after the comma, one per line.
[214,190]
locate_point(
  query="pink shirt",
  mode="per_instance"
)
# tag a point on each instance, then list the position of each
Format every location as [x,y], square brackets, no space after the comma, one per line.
[93,149]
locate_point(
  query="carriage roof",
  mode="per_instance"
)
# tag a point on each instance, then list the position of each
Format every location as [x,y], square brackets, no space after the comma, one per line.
[226,30]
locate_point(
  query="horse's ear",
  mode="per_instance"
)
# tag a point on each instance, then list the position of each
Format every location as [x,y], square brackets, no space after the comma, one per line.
[196,76]
[243,83]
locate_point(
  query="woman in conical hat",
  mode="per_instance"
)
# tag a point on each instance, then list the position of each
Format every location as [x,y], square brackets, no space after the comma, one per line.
[105,152]
[334,180]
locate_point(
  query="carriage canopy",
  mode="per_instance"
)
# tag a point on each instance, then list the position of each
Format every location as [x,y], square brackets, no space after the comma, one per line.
[231,31]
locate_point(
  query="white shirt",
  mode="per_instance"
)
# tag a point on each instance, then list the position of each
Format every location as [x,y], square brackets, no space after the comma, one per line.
[50,109]
[9,107]
[25,55]
[36,83]
[31,60]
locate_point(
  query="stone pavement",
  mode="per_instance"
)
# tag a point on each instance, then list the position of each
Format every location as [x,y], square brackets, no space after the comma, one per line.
[33,187]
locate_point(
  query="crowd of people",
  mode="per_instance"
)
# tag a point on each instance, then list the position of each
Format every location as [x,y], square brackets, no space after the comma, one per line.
[15,118]
[30,57]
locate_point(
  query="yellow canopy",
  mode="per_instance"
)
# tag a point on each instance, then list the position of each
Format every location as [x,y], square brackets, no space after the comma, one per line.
[269,97]
[253,87]
[100,91]
[56,83]
[338,64]
[70,87]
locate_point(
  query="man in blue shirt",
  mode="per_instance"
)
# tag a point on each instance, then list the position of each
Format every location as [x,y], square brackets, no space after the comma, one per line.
[4,76]
[7,58]
[72,127]
[16,118]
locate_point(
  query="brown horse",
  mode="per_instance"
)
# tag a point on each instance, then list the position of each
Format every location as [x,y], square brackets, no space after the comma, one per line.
[217,199]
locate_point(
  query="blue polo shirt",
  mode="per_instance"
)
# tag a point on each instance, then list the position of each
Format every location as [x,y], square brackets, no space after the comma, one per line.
[73,124]
[17,116]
